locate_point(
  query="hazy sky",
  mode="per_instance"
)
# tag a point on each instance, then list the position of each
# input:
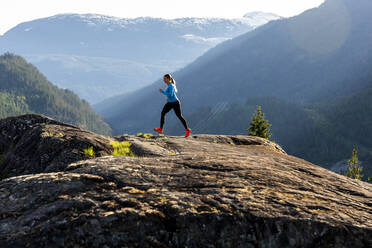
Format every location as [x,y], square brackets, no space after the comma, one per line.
[13,12]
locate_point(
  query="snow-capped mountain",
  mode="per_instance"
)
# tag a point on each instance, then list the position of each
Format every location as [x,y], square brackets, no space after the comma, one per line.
[140,42]
[258,18]
[252,19]
[89,34]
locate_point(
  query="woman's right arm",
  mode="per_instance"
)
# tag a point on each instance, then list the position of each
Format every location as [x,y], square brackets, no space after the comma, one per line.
[168,91]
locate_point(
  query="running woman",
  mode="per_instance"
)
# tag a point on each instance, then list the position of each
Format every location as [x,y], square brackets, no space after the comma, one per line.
[172,103]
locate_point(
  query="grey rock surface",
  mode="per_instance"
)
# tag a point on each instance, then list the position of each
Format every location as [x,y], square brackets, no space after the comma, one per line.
[203,191]
[34,143]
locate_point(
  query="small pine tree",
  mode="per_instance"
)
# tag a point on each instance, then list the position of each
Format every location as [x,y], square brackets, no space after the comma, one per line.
[354,170]
[259,126]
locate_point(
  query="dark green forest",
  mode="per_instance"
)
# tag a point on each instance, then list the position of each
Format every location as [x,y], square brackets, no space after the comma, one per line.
[23,89]
[323,133]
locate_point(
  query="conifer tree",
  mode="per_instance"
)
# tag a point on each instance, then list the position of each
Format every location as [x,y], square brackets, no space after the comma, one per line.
[259,126]
[354,170]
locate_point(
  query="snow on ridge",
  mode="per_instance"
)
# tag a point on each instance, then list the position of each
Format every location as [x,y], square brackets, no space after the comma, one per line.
[111,23]
[94,19]
[258,18]
[202,40]
[260,14]
[251,19]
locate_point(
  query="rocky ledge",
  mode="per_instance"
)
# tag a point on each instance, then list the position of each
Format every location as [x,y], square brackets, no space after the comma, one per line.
[203,191]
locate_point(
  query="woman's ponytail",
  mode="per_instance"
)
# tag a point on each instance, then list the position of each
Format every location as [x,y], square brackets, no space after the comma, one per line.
[173,82]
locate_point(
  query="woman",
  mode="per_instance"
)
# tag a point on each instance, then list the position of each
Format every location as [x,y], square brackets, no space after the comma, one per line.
[172,103]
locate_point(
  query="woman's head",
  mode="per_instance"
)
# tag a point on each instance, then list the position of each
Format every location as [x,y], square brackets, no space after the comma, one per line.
[169,79]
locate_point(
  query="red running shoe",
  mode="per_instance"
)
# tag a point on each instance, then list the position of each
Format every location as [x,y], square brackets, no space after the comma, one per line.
[188,131]
[158,129]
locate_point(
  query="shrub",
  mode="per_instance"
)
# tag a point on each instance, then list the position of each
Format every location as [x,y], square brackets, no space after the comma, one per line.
[89,152]
[148,135]
[145,135]
[48,134]
[121,148]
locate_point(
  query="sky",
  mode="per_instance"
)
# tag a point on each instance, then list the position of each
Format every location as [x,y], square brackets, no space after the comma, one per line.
[13,12]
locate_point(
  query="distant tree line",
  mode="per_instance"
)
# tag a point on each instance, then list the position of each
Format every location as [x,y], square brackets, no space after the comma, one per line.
[23,89]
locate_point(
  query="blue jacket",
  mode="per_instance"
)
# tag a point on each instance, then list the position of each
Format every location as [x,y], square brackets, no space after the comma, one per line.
[170,92]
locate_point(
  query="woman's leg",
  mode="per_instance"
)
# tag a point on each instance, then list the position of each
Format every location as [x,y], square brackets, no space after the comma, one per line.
[167,107]
[177,110]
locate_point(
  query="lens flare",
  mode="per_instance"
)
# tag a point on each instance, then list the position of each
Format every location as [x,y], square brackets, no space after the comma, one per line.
[324,35]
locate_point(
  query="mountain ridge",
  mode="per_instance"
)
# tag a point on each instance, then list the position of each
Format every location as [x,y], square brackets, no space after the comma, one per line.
[95,19]
[226,62]
[75,50]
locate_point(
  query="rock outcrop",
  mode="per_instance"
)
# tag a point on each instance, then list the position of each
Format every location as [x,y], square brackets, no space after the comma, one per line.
[203,191]
[35,143]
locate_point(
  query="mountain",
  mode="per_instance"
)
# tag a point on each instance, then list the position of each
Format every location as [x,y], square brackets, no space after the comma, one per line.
[342,124]
[254,65]
[204,191]
[114,55]
[23,89]
[289,65]
[106,36]
[97,78]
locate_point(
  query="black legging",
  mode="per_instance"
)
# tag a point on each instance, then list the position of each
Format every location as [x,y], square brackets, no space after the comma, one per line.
[176,106]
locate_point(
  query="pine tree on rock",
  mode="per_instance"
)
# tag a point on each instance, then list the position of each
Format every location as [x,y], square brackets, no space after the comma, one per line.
[354,170]
[259,126]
